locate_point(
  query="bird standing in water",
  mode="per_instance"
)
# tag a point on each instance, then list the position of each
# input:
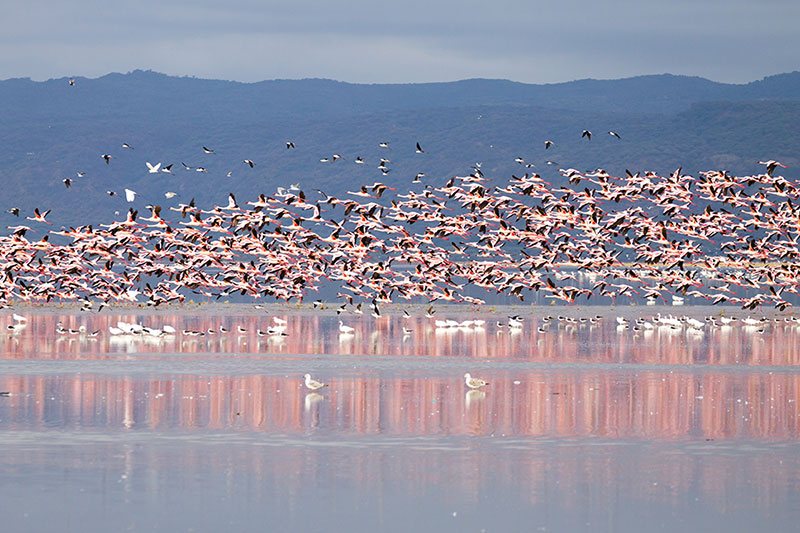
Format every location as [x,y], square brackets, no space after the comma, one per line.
[474,383]
[312,384]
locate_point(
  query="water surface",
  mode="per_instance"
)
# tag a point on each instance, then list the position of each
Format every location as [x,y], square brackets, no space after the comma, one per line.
[583,427]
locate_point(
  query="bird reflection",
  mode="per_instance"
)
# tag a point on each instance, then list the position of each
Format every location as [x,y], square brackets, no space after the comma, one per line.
[312,398]
[473,396]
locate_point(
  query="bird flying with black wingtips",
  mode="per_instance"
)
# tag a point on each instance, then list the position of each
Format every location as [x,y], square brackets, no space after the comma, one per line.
[587,134]
[39,217]
[771,165]
[419,149]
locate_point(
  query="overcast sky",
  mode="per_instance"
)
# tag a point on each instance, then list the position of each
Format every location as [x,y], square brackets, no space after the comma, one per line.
[376,41]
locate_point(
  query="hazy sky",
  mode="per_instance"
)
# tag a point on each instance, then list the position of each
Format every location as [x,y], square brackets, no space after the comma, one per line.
[401,41]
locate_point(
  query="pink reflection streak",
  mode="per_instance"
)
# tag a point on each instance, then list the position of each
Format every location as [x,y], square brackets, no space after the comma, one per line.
[318,334]
[582,394]
[650,405]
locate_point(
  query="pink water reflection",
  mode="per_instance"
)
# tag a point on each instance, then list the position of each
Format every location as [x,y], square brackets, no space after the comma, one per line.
[307,333]
[581,423]
[648,405]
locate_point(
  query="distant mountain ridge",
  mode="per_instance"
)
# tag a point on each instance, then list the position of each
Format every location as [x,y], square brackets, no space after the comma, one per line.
[50,131]
[663,93]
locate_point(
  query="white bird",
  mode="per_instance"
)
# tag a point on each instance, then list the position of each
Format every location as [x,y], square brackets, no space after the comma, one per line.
[312,384]
[14,328]
[152,169]
[130,195]
[346,330]
[474,383]
[19,318]
[693,322]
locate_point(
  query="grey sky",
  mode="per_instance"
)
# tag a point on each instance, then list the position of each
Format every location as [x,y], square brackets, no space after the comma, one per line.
[405,41]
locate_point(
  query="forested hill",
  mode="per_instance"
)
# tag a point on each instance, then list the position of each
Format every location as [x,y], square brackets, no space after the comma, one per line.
[52,130]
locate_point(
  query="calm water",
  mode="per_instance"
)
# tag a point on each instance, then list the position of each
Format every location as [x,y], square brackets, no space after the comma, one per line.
[583,427]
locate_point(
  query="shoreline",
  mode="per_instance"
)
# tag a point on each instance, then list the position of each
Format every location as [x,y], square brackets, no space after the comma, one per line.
[449,309]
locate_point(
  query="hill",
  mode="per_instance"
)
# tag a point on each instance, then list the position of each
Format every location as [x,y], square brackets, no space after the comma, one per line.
[51,131]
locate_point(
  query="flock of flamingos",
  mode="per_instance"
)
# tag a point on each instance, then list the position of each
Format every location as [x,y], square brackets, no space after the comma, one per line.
[711,235]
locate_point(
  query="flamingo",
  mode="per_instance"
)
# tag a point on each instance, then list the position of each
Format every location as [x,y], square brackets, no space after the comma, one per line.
[39,217]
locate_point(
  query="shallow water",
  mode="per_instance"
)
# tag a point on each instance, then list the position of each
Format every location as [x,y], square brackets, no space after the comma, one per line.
[583,427]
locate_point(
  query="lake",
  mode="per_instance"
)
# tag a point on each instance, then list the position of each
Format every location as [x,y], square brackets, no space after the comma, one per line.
[585,425]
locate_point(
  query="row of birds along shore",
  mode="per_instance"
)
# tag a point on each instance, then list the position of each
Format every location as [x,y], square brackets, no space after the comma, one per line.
[277,327]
